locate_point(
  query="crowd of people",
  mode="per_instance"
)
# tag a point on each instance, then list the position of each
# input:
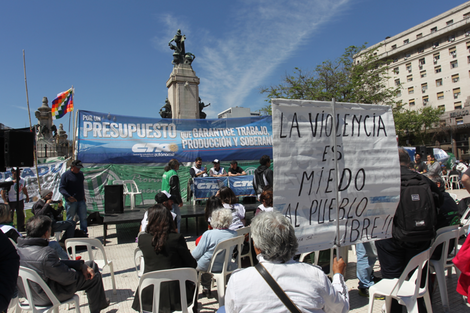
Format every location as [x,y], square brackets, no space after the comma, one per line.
[274,242]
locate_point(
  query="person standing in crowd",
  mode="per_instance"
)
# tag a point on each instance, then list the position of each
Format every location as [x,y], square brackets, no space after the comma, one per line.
[72,188]
[197,170]
[64,277]
[18,206]
[305,285]
[419,164]
[44,207]
[235,170]
[163,248]
[171,184]
[217,171]
[433,166]
[263,178]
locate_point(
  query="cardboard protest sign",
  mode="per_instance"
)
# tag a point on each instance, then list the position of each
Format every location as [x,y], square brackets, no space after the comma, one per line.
[335,161]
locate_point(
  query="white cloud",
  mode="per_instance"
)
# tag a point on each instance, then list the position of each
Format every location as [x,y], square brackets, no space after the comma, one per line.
[263,36]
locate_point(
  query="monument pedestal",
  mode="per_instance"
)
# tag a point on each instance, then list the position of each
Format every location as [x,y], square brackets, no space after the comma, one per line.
[183,92]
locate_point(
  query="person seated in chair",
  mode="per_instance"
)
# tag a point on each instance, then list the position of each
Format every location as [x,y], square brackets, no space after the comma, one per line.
[64,277]
[44,206]
[305,284]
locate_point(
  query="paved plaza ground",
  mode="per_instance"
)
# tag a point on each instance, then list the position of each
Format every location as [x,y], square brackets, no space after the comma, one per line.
[120,249]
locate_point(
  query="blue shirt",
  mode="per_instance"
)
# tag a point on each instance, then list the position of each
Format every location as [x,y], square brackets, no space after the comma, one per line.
[71,185]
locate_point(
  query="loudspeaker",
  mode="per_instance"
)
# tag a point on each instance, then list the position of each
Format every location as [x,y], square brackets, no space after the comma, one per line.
[113,199]
[2,155]
[19,148]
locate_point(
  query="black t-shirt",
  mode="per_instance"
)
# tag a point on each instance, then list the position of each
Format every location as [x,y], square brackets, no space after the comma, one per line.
[238,170]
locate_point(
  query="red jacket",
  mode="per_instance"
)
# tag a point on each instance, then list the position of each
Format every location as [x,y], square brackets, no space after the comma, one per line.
[462,261]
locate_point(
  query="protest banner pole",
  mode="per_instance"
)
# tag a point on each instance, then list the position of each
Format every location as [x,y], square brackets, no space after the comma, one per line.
[30,126]
[338,240]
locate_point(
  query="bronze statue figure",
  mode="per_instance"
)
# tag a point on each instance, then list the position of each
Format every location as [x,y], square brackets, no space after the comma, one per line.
[165,111]
[180,56]
[202,115]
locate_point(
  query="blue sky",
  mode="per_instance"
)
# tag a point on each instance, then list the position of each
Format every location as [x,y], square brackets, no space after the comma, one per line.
[116,54]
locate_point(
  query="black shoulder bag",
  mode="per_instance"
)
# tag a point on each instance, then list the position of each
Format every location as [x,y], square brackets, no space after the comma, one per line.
[277,289]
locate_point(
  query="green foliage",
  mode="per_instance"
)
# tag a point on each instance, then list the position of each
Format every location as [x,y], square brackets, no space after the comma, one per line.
[361,80]
[412,126]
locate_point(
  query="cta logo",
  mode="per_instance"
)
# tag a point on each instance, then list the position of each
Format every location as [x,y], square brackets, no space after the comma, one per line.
[239,184]
[208,186]
[154,147]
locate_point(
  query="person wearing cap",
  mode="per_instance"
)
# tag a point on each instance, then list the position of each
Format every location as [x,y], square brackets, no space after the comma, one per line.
[72,188]
[171,184]
[165,199]
[44,206]
[14,202]
[217,171]
[235,170]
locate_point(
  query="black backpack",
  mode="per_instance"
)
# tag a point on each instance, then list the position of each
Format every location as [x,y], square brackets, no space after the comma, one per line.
[416,216]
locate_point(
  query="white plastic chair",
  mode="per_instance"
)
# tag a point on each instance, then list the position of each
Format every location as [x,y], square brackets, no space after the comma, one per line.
[444,238]
[465,219]
[30,275]
[242,232]
[454,179]
[90,243]
[342,251]
[133,192]
[221,277]
[139,262]
[157,277]
[406,291]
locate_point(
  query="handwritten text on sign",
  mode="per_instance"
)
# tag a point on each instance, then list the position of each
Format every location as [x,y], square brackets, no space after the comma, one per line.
[309,186]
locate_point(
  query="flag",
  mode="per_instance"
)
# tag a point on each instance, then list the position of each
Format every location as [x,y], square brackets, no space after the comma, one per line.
[62,104]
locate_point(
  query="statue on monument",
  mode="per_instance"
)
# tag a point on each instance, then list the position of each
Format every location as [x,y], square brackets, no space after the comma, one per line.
[165,111]
[202,115]
[180,56]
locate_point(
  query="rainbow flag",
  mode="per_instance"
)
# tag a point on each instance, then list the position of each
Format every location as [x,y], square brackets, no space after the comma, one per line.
[62,104]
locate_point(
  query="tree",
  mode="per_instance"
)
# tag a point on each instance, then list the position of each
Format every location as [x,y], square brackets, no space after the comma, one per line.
[357,76]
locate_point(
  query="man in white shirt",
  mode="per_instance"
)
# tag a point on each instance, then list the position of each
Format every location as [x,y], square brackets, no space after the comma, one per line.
[14,202]
[305,284]
[217,171]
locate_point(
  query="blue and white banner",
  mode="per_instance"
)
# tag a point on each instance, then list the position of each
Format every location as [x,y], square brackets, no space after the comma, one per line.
[205,187]
[117,139]
[242,185]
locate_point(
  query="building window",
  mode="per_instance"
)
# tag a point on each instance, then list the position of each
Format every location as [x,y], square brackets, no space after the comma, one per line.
[407,55]
[408,67]
[394,47]
[423,74]
[457,105]
[450,22]
[424,87]
[456,92]
[411,102]
[468,46]
[399,93]
[421,49]
[409,78]
[406,41]
[434,29]
[455,78]
[453,64]
[419,35]
[451,38]
[468,59]
[396,70]
[436,57]
[397,82]
[438,82]
[435,44]
[395,60]
[453,52]
[440,95]
[442,107]
[466,15]
[459,121]
[411,90]
[437,69]
[425,100]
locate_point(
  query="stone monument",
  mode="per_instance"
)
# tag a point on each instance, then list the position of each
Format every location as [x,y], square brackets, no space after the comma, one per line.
[44,127]
[183,84]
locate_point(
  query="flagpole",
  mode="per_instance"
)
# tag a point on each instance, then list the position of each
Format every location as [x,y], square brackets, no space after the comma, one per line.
[73,122]
[30,125]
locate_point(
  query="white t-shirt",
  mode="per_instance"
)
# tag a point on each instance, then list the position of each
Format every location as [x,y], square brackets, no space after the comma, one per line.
[12,191]
[238,213]
[213,171]
[198,170]
[265,209]
[145,220]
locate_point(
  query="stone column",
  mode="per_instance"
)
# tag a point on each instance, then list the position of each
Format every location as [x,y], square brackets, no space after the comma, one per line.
[43,114]
[183,92]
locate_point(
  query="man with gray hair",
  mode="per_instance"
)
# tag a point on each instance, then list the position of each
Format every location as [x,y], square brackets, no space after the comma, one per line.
[306,285]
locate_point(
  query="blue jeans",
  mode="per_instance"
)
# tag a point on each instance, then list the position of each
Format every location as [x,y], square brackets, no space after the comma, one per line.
[68,226]
[79,208]
[365,264]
